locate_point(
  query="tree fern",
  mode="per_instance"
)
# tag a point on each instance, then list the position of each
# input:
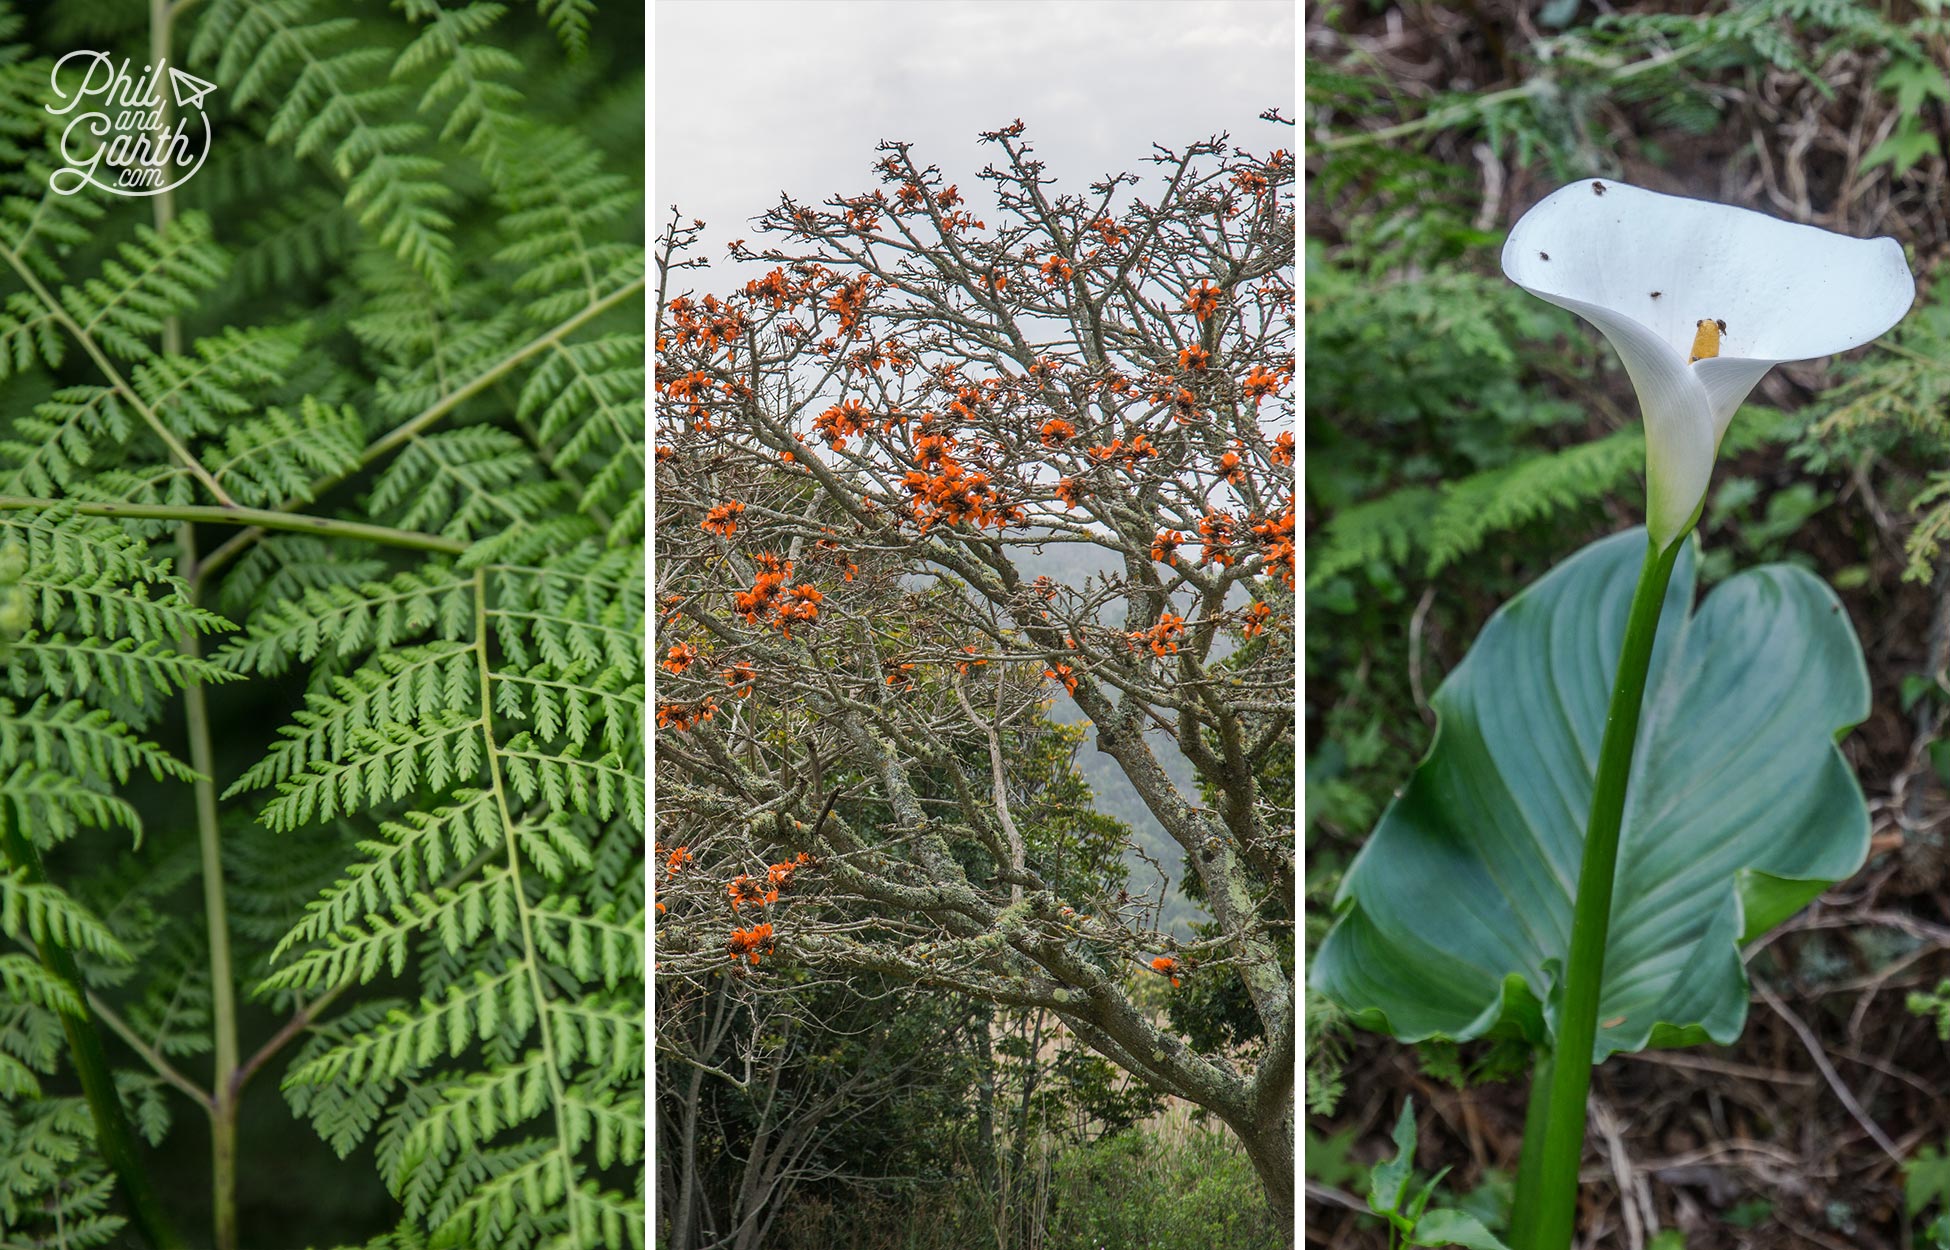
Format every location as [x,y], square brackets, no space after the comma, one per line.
[328,473]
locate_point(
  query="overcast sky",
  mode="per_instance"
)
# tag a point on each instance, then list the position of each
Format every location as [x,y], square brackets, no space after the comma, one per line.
[754,97]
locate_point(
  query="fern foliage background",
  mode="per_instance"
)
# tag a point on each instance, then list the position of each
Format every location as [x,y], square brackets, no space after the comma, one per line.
[321,605]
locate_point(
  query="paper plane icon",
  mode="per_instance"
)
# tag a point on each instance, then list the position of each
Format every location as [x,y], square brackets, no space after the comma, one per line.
[188,89]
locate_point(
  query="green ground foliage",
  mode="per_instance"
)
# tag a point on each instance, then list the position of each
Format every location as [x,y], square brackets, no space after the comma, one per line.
[1463,436]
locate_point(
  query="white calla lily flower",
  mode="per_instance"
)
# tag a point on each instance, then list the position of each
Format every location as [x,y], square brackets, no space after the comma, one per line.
[1667,279]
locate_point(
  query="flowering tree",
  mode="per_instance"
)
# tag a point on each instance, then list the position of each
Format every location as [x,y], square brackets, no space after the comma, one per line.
[863,456]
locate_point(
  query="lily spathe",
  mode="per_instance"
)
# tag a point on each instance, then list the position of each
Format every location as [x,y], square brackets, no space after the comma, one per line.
[1700,300]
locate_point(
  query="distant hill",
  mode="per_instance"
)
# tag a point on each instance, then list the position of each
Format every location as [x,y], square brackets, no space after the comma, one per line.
[1070,564]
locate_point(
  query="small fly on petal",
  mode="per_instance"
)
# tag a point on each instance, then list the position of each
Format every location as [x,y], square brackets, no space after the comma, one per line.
[1706,340]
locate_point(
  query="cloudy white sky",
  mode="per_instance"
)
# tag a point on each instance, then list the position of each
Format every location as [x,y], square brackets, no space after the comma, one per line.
[758,96]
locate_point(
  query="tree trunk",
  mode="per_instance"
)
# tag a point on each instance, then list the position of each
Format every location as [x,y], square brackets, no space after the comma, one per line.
[1270,1147]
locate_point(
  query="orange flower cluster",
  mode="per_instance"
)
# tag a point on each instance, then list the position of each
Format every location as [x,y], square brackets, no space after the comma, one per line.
[1203,301]
[722,519]
[718,322]
[1139,448]
[1110,231]
[1065,674]
[1069,490]
[899,675]
[1283,448]
[690,389]
[780,875]
[769,596]
[870,359]
[934,451]
[1164,548]
[750,943]
[1056,270]
[676,859]
[1163,637]
[1260,383]
[952,492]
[1056,431]
[1165,965]
[1044,368]
[742,678]
[1248,180]
[744,890]
[1276,535]
[1194,358]
[801,604]
[680,657]
[1215,534]
[962,666]
[758,603]
[682,716]
[1256,618]
[849,301]
[970,397]
[1231,468]
[841,422]
[775,289]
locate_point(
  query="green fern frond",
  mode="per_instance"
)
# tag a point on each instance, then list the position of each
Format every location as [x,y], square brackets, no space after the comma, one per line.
[202,394]
[338,102]
[37,912]
[569,19]
[561,217]
[277,456]
[157,275]
[346,620]
[286,566]
[463,483]
[23,979]
[1485,504]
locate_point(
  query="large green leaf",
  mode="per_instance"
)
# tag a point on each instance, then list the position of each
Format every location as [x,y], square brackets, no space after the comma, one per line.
[1455,919]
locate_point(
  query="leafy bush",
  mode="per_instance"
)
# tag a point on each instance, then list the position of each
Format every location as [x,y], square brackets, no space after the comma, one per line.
[1140,1189]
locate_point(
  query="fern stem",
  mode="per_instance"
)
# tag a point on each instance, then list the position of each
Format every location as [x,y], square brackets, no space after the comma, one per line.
[530,957]
[260,518]
[196,711]
[113,1136]
[299,1022]
[223,984]
[161,1066]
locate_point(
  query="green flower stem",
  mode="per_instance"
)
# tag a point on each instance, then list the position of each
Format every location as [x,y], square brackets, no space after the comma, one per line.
[1554,1197]
[1523,1213]
[113,1136]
